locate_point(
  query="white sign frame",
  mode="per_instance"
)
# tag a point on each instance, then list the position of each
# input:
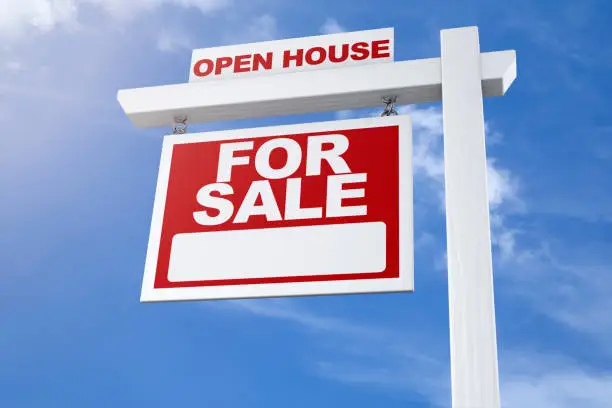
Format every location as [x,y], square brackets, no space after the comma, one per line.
[404,283]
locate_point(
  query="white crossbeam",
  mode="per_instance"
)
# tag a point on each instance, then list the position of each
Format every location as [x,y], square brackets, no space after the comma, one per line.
[413,81]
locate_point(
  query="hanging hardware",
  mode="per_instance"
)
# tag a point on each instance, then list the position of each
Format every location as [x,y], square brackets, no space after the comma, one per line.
[389,102]
[180,125]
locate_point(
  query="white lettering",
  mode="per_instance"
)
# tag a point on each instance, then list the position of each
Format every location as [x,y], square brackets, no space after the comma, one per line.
[223,205]
[262,158]
[227,159]
[268,207]
[335,194]
[293,199]
[315,154]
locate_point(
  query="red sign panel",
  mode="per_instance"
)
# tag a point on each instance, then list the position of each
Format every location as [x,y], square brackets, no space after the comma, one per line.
[291,210]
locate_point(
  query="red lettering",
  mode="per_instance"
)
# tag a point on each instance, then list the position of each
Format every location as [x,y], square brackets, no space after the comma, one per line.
[334,53]
[343,56]
[322,55]
[258,60]
[298,58]
[222,62]
[197,67]
[360,51]
[242,63]
[378,49]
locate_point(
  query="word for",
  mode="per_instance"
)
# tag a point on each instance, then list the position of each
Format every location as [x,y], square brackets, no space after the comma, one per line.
[260,191]
[332,54]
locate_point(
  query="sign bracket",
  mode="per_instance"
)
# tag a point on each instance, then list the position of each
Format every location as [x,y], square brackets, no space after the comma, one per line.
[389,102]
[180,125]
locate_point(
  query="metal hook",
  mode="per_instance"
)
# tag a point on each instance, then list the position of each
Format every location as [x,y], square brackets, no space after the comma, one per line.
[389,102]
[180,125]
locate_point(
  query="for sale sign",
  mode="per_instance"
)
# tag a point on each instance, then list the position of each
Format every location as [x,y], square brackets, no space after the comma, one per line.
[312,209]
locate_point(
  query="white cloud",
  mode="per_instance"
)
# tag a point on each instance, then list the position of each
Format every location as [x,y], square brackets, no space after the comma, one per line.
[428,159]
[20,18]
[424,239]
[548,381]
[286,310]
[559,390]
[258,28]
[502,185]
[17,17]
[13,66]
[503,237]
[572,289]
[331,26]
[344,114]
[172,41]
[493,136]
[262,28]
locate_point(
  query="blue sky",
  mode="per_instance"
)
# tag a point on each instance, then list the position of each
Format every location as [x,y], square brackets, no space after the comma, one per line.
[77,183]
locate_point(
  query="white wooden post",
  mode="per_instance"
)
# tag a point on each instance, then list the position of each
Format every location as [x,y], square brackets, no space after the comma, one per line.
[473,343]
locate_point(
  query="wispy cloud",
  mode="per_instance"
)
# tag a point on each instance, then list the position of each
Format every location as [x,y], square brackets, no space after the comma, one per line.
[364,354]
[572,289]
[173,40]
[381,358]
[559,30]
[262,27]
[13,66]
[331,26]
[551,381]
[20,18]
[428,157]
